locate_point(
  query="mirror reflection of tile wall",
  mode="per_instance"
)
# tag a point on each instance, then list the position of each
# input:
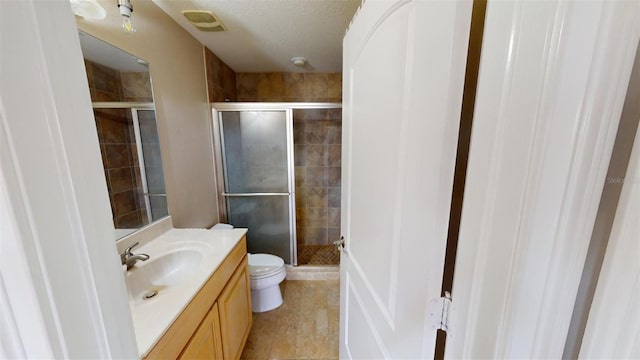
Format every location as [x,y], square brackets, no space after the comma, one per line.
[154,173]
[117,140]
[317,154]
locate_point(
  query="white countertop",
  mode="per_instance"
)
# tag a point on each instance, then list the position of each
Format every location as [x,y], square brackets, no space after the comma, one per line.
[152,317]
[120,233]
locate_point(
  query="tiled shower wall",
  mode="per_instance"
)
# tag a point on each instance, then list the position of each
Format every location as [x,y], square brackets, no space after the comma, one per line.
[221,79]
[117,140]
[289,87]
[317,154]
[224,84]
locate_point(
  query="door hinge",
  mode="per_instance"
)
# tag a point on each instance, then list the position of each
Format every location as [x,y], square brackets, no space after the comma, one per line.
[440,312]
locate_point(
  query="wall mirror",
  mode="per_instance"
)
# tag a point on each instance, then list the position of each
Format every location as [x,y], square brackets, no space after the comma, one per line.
[122,98]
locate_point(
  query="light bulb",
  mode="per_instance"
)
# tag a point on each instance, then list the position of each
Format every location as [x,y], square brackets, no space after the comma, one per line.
[127,26]
[126,8]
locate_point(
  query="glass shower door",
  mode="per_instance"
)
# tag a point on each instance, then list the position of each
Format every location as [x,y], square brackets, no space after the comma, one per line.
[257,162]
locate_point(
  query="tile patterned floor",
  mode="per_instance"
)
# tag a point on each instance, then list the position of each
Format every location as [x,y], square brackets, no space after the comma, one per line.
[304,327]
[318,255]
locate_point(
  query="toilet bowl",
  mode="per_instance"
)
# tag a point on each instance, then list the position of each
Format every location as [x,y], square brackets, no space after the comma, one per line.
[266,272]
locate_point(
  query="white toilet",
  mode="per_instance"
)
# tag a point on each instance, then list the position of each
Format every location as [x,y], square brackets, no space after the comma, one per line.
[220,226]
[266,272]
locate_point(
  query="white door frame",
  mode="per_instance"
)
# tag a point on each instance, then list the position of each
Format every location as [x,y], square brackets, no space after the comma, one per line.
[63,292]
[552,82]
[613,327]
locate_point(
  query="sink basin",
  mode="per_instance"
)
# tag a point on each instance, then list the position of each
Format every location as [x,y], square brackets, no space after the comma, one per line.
[162,273]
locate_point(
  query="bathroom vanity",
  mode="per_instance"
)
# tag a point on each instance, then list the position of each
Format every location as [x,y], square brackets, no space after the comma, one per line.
[192,298]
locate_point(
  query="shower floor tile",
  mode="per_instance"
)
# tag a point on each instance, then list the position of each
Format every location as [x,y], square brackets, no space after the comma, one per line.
[306,326]
[318,255]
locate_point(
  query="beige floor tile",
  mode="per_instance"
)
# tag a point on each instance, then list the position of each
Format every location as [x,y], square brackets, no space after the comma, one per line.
[311,348]
[333,294]
[283,341]
[257,347]
[321,322]
[306,326]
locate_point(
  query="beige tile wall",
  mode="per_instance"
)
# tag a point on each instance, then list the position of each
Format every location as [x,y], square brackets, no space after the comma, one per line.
[294,87]
[221,79]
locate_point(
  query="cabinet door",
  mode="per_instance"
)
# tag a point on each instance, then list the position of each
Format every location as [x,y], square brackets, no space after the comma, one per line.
[235,312]
[205,342]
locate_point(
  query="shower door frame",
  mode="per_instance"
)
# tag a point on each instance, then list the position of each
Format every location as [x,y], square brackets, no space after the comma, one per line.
[217,108]
[134,107]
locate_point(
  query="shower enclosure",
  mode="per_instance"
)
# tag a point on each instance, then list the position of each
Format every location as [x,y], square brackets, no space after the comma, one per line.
[279,176]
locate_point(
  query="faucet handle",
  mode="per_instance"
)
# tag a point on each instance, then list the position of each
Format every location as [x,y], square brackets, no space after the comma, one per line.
[127,251]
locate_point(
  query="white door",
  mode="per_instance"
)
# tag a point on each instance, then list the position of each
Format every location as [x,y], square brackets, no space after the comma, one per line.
[404,64]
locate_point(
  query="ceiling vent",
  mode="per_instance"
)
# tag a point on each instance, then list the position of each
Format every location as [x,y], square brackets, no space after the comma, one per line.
[203,20]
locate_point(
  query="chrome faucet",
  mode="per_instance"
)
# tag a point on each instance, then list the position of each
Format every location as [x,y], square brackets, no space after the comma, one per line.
[130,259]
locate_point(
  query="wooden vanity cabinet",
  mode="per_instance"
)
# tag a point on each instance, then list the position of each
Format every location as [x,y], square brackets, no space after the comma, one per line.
[216,323]
[206,343]
[234,306]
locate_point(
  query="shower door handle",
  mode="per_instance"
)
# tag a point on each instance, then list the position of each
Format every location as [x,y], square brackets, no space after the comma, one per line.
[254,194]
[339,243]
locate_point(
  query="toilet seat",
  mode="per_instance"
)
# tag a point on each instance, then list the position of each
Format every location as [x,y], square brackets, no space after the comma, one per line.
[264,265]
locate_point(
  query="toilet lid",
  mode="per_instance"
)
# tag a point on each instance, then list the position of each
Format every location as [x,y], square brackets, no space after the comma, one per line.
[262,264]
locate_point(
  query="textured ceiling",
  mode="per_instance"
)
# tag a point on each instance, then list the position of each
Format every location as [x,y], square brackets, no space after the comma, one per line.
[263,35]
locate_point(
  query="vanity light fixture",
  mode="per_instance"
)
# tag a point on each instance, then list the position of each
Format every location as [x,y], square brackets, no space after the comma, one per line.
[299,61]
[88,9]
[126,8]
